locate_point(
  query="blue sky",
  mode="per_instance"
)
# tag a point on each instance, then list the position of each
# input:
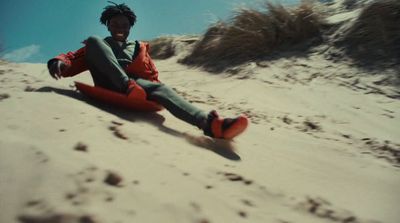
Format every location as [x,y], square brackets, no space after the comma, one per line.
[36,30]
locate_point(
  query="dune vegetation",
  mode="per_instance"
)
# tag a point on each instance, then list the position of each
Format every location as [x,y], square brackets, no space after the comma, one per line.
[372,37]
[252,34]
[375,35]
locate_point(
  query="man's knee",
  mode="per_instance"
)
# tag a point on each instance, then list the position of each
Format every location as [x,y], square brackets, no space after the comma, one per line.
[162,87]
[93,41]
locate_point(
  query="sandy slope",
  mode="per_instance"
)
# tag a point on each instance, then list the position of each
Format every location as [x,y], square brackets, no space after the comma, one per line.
[323,146]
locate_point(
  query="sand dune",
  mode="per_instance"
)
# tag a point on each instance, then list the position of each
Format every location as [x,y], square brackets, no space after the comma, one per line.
[323,146]
[319,149]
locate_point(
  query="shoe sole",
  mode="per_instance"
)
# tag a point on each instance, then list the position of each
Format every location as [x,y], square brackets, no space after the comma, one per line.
[236,128]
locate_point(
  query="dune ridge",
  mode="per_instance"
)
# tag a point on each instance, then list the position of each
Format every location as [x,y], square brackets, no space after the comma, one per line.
[322,145]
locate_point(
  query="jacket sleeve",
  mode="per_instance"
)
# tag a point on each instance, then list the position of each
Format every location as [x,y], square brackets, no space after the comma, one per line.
[74,61]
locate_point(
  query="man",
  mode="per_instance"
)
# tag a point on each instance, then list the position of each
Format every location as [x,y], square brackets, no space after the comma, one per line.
[125,66]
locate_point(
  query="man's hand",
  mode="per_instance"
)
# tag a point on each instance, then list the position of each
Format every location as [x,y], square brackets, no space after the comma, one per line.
[55,69]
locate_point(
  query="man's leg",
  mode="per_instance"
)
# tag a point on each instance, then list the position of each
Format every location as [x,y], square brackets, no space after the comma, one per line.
[174,103]
[104,66]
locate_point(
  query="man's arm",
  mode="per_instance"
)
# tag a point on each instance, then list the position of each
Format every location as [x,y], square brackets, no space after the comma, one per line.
[67,65]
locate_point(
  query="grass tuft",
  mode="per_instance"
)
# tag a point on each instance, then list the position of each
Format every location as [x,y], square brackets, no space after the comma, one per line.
[252,34]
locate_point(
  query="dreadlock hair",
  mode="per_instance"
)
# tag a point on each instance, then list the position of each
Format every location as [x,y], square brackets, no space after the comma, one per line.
[117,9]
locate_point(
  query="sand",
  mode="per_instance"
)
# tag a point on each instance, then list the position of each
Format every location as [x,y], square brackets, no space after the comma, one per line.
[319,149]
[323,146]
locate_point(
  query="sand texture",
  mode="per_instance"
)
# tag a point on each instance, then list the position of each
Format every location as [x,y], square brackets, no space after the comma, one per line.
[319,149]
[323,145]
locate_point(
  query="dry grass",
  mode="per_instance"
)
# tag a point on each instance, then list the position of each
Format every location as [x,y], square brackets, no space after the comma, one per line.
[350,4]
[162,47]
[375,36]
[165,47]
[252,34]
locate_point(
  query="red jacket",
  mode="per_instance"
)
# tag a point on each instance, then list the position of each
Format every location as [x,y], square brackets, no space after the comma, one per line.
[142,66]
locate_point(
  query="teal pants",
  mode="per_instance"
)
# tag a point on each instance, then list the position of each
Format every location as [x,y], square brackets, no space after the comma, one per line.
[107,71]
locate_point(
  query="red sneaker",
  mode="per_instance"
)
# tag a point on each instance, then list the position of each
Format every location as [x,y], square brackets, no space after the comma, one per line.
[135,91]
[225,128]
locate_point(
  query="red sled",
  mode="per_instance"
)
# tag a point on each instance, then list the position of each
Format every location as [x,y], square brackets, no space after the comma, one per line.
[118,99]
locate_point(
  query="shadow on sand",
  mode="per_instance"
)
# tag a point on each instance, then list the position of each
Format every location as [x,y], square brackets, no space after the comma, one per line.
[223,148]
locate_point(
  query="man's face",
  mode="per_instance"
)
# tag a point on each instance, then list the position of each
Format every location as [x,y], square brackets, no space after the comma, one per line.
[119,27]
